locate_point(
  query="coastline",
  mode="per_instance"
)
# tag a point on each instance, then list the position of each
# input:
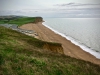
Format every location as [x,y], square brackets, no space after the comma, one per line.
[70,49]
[78,43]
[81,45]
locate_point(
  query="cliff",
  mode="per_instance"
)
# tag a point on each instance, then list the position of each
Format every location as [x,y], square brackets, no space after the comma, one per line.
[28,31]
[38,19]
[57,48]
[49,46]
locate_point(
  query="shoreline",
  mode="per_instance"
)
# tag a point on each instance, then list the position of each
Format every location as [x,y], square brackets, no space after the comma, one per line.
[70,49]
[83,47]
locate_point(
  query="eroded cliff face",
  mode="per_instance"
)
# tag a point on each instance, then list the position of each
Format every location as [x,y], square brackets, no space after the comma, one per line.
[55,48]
[38,19]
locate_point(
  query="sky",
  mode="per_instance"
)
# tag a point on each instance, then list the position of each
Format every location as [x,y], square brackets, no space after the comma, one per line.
[51,8]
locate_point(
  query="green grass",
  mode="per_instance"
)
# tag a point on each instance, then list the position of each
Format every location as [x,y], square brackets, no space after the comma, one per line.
[23,55]
[18,21]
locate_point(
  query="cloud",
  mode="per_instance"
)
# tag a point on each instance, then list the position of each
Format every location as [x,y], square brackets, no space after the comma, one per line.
[76,4]
[54,12]
[59,10]
[79,10]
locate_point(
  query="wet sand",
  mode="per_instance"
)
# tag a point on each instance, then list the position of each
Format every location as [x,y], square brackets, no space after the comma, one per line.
[70,49]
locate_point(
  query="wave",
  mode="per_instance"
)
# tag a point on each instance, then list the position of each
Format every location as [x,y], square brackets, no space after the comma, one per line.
[82,46]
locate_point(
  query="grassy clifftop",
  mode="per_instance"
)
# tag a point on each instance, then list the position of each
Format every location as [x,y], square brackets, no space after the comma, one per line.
[20,20]
[23,55]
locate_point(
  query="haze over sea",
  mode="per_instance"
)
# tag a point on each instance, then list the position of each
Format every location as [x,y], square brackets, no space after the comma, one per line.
[84,32]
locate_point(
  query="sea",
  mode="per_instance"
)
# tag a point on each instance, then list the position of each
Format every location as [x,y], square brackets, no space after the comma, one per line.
[83,32]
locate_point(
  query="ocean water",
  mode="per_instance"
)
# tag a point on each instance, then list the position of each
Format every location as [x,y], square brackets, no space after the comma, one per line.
[84,32]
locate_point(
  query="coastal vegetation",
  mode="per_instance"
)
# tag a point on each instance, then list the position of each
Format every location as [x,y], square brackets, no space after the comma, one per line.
[24,55]
[20,20]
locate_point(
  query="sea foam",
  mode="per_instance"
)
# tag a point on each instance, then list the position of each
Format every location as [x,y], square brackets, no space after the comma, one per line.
[82,46]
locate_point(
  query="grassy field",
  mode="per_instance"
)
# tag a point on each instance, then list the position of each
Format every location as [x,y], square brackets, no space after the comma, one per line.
[23,55]
[18,21]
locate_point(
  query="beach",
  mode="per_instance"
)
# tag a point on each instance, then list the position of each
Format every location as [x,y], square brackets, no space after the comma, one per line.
[70,49]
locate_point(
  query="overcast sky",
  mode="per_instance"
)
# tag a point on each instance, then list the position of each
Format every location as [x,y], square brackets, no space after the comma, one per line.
[51,8]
